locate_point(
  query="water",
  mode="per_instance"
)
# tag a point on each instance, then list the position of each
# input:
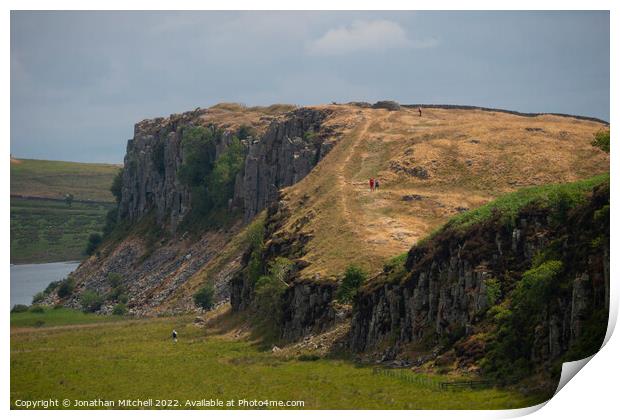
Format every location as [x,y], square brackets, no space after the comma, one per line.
[29,279]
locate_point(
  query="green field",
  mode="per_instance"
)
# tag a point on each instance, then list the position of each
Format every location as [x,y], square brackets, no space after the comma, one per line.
[55,179]
[135,359]
[49,230]
[46,230]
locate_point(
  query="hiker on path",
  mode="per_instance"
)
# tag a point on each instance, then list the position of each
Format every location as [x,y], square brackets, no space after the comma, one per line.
[174,335]
[372,184]
[376,183]
[420,111]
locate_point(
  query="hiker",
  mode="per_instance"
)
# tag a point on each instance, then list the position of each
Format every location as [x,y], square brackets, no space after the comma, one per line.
[174,335]
[372,184]
[420,111]
[376,183]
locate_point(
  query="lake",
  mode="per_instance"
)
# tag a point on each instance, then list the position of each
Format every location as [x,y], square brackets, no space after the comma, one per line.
[29,279]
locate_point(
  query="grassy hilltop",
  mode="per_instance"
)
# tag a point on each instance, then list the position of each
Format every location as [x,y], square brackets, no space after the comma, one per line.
[43,227]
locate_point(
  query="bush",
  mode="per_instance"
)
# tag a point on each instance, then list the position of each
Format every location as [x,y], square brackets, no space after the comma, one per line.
[91,301]
[267,298]
[493,290]
[66,288]
[94,240]
[111,220]
[119,309]
[38,298]
[19,308]
[354,277]
[36,309]
[601,140]
[117,186]
[245,131]
[204,297]
[52,286]
[114,279]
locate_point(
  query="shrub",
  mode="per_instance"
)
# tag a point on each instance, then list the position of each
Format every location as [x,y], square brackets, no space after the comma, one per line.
[66,287]
[245,131]
[52,286]
[117,186]
[91,301]
[114,279]
[601,140]
[19,308]
[204,297]
[111,220]
[354,277]
[119,309]
[38,298]
[94,240]
[36,309]
[493,290]
[267,298]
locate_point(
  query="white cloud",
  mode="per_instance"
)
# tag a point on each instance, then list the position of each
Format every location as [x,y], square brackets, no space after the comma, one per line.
[373,35]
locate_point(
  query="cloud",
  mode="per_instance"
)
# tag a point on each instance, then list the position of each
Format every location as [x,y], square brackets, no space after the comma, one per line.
[375,35]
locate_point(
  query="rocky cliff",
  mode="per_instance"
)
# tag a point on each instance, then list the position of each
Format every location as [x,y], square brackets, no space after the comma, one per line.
[545,270]
[291,146]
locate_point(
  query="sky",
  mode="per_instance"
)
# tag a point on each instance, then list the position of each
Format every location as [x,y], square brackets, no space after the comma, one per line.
[81,80]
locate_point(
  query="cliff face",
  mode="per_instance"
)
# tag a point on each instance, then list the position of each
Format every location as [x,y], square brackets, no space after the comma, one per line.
[291,146]
[154,260]
[444,289]
[284,155]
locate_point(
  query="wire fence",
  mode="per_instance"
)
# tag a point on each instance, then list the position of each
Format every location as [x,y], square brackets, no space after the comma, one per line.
[429,382]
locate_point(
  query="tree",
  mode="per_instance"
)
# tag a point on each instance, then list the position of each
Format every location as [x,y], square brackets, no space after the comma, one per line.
[353,278]
[204,297]
[117,185]
[94,240]
[66,287]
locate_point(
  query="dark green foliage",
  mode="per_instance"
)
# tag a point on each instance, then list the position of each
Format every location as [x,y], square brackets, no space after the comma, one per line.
[52,286]
[36,309]
[19,308]
[117,186]
[255,241]
[308,357]
[268,290]
[493,290]
[353,279]
[211,180]
[94,240]
[204,297]
[199,154]
[119,309]
[91,301]
[66,287]
[111,220]
[158,157]
[246,131]
[510,351]
[601,140]
[38,298]
[114,279]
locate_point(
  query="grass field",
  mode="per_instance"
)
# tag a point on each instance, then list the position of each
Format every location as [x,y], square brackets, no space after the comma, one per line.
[136,359]
[46,230]
[54,179]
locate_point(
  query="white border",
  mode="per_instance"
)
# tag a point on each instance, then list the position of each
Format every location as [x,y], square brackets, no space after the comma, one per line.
[593,394]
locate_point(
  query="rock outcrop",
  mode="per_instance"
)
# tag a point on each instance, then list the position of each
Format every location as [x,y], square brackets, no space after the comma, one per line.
[284,155]
[443,291]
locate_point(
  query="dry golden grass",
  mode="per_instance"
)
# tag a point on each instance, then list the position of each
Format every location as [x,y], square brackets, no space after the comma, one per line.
[231,116]
[471,157]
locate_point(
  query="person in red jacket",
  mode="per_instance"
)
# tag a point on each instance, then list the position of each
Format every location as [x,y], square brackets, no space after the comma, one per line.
[372,184]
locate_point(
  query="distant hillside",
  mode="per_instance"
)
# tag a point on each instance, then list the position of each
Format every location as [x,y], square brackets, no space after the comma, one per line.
[43,227]
[54,179]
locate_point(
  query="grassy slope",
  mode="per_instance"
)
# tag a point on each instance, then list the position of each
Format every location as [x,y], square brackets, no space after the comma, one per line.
[471,157]
[45,230]
[136,359]
[54,179]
